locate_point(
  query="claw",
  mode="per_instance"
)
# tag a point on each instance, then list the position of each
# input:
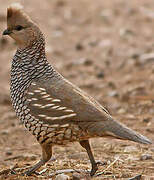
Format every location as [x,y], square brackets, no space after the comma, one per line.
[94,169]
[100,163]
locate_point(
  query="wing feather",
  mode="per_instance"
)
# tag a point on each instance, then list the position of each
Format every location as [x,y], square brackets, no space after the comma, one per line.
[46,108]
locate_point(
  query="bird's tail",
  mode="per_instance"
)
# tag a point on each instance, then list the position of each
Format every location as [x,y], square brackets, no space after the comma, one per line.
[120,131]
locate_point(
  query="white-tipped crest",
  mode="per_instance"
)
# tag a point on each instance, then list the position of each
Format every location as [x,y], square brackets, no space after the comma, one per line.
[20,26]
[15,14]
[16,6]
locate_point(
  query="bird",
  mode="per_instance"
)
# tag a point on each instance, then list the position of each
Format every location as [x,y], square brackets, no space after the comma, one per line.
[53,109]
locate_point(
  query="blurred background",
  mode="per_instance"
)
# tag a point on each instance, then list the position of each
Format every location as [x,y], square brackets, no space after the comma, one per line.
[107,49]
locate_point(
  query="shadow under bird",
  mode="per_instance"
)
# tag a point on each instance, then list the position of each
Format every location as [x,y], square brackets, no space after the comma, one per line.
[53,109]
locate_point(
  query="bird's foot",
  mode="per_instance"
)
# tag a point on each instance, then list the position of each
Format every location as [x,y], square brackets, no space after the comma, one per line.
[34,168]
[101,163]
[95,166]
[93,170]
[27,173]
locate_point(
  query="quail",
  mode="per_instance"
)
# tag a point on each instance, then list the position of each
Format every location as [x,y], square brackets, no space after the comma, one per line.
[53,109]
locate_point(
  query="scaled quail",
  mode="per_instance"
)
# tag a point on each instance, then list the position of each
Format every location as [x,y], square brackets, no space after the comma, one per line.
[53,109]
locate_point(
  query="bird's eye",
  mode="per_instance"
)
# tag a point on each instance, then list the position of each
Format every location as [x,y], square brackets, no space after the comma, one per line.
[19,28]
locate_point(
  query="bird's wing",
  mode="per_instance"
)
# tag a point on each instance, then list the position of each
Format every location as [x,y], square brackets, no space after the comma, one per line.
[60,102]
[46,107]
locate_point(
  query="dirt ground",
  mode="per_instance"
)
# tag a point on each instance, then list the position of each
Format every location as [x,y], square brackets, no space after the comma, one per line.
[106,48]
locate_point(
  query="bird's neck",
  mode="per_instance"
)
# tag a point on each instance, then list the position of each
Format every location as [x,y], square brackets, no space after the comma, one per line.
[31,63]
[35,50]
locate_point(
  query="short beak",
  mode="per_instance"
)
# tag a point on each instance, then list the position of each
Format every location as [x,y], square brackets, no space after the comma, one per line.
[7,32]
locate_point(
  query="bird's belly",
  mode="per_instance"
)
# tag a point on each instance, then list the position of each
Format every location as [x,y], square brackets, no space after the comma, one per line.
[61,135]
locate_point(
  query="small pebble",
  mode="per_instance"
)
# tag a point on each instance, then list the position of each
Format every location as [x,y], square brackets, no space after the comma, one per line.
[125,32]
[113,93]
[100,74]
[111,84]
[88,62]
[135,55]
[152,149]
[62,177]
[78,176]
[5,132]
[60,3]
[8,153]
[129,149]
[146,120]
[79,47]
[145,157]
[146,57]
[121,111]
[150,130]
[84,61]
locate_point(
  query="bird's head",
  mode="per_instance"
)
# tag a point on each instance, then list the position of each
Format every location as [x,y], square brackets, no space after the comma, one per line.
[20,27]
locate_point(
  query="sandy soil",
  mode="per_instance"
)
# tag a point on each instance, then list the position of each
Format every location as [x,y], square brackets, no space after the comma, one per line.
[106,48]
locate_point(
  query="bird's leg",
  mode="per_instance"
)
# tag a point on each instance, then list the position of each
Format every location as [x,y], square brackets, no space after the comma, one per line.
[46,155]
[85,144]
